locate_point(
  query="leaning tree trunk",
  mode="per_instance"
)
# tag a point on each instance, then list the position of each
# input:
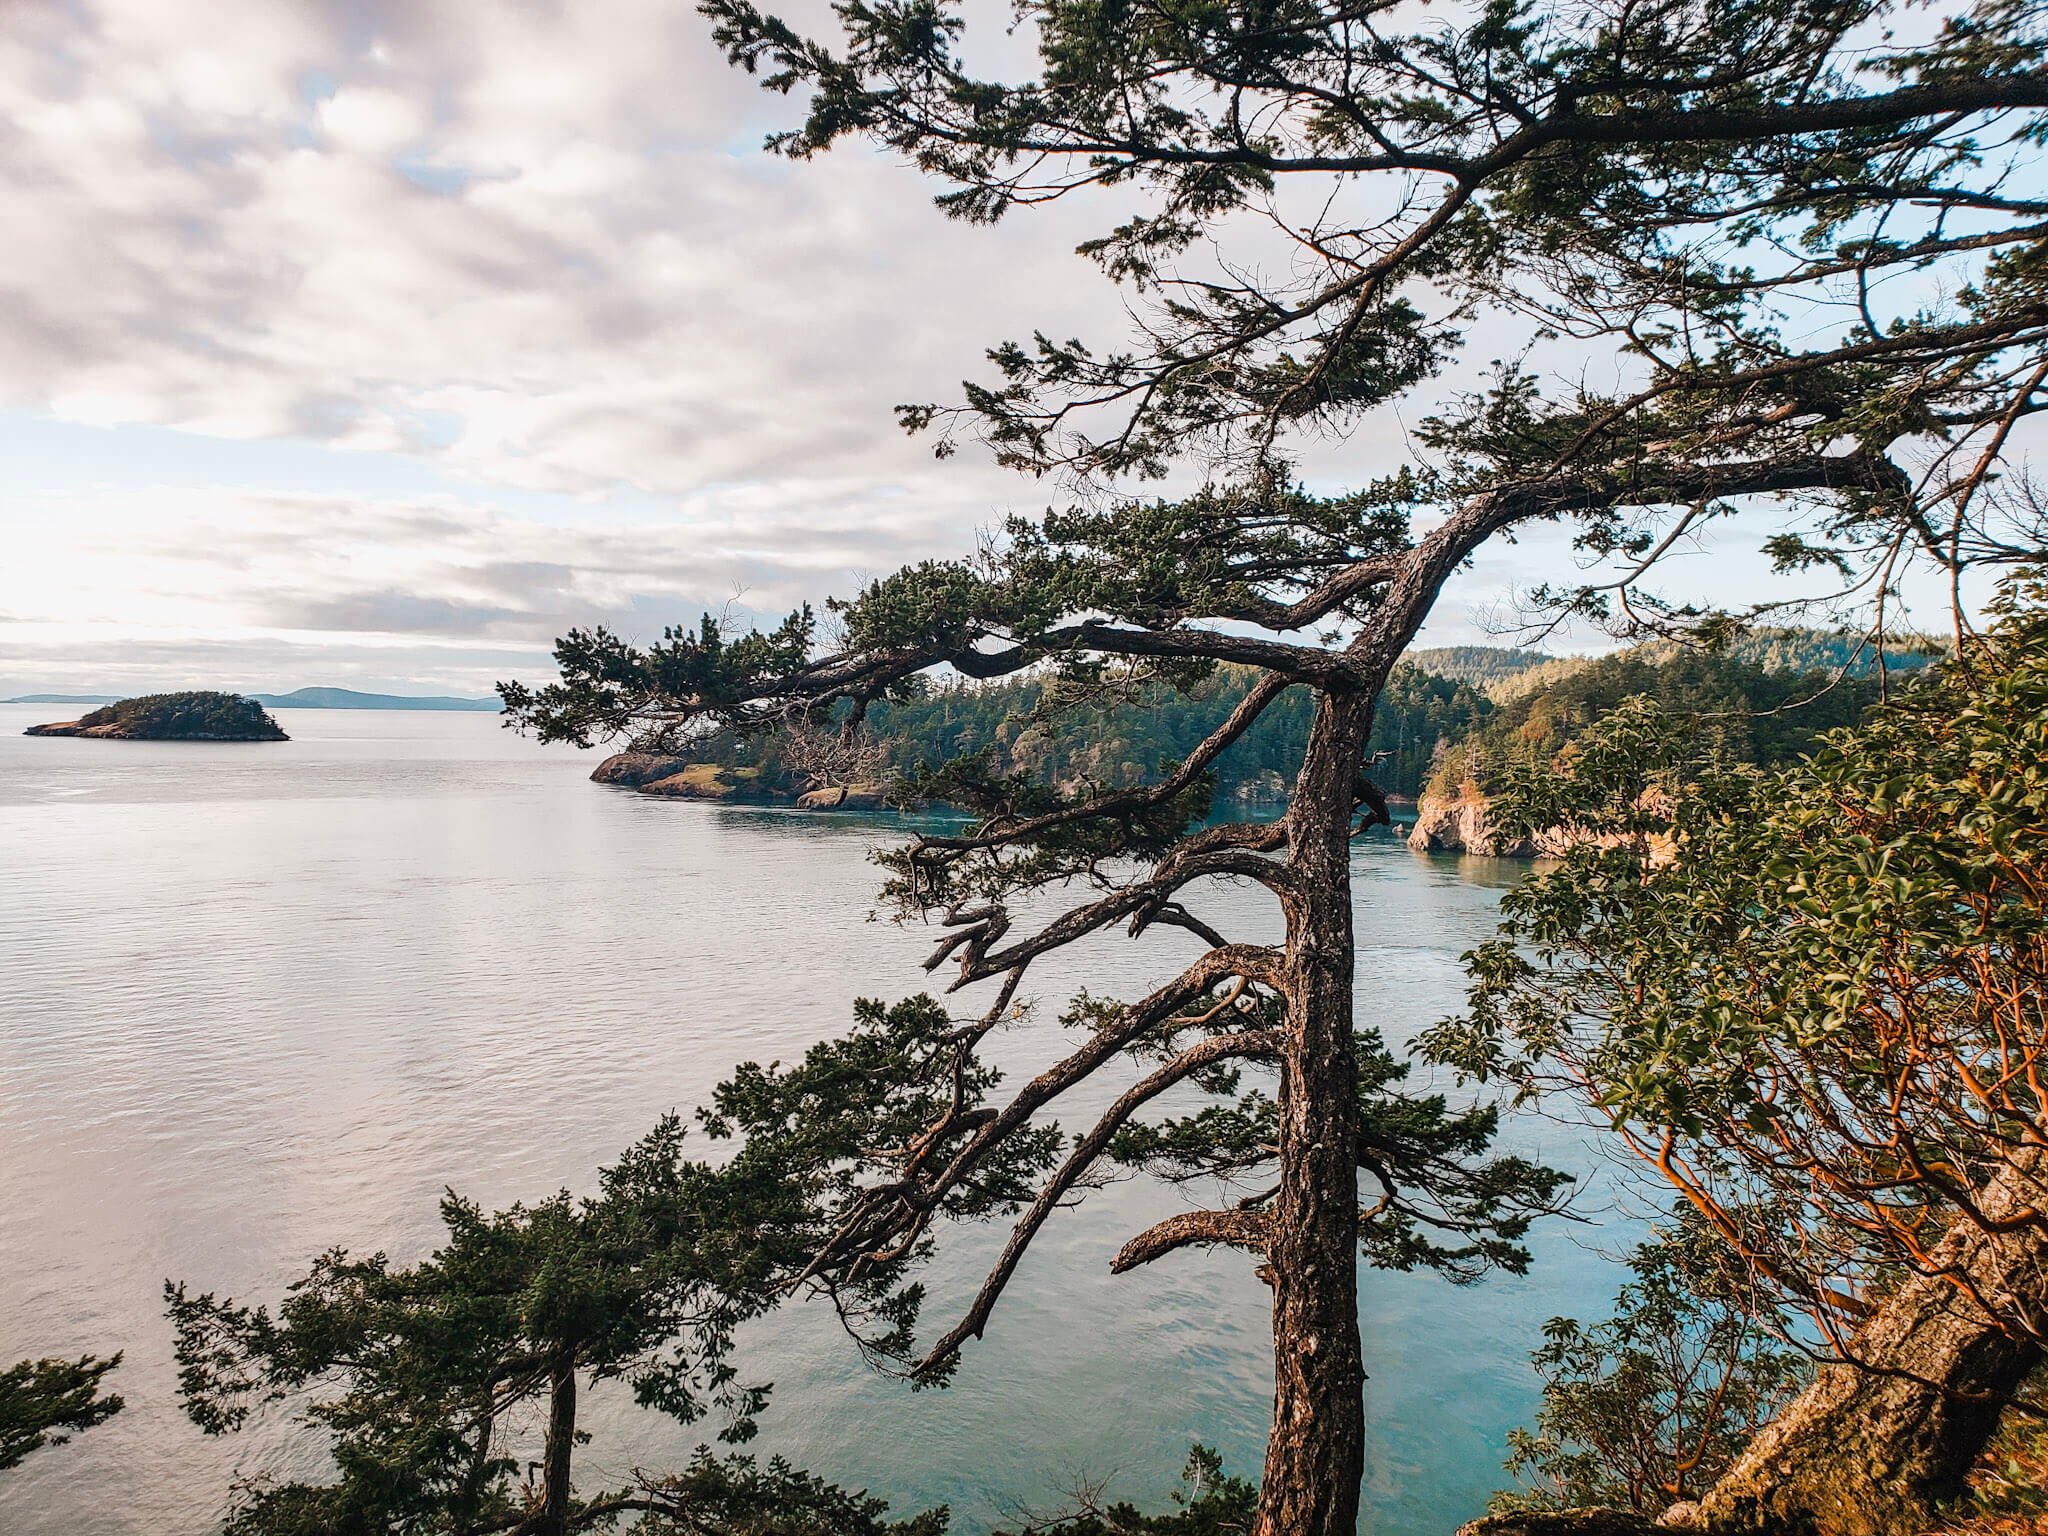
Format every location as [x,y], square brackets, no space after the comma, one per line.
[1316,1455]
[1874,1448]
[558,1450]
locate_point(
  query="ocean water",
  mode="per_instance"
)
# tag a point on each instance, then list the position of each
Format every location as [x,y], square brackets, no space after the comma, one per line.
[256,1000]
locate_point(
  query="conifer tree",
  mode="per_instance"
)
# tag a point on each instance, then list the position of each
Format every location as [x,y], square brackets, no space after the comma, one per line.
[45,1402]
[1659,185]
[450,1389]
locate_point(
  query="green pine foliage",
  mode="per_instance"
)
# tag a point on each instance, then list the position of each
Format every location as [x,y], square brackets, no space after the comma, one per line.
[45,1402]
[431,1382]
[1485,667]
[447,1391]
[1209,1502]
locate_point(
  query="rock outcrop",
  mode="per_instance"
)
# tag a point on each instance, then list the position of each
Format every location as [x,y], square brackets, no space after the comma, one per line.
[636,768]
[678,778]
[842,797]
[1462,823]
[694,781]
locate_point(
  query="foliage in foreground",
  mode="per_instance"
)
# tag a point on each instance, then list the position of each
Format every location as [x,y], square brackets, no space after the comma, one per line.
[833,1122]
[1832,999]
[1209,1502]
[45,1402]
[1653,1404]
[2008,1488]
[447,1391]
[1816,1003]
[440,1384]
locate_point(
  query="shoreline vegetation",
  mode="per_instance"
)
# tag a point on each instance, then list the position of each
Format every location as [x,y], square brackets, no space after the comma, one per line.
[189,716]
[1452,724]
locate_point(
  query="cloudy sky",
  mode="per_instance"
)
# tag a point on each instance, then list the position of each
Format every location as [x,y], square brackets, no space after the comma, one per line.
[377,343]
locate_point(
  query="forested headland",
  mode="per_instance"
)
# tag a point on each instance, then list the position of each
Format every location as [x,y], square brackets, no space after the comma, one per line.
[1447,718]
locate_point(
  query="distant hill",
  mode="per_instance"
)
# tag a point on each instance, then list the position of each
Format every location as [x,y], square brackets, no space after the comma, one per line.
[348,698]
[1479,665]
[1124,739]
[1767,650]
[302,698]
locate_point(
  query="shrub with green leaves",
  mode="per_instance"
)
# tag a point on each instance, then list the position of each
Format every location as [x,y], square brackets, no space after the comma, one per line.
[1831,1001]
[1653,1404]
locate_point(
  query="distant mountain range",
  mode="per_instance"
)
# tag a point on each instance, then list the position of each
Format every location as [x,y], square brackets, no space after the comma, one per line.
[348,698]
[302,698]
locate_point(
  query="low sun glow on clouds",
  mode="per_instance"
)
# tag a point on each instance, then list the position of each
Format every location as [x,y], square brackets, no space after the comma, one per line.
[485,320]
[534,248]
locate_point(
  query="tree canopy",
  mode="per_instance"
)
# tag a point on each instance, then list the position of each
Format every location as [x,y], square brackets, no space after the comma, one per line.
[1813,1002]
[45,1402]
[422,1376]
[1800,259]
[194,716]
[1788,225]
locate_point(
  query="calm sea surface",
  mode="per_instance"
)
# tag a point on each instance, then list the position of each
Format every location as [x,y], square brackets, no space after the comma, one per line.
[257,1000]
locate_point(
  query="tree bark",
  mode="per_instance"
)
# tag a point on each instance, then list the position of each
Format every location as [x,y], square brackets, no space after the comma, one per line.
[1316,1455]
[479,1461]
[558,1450]
[1873,1448]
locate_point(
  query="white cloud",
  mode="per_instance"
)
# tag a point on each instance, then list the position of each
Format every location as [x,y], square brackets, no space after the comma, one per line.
[538,227]
[275,588]
[534,246]
[370,120]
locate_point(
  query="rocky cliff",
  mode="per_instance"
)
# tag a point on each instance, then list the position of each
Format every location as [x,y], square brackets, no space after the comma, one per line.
[675,778]
[1462,823]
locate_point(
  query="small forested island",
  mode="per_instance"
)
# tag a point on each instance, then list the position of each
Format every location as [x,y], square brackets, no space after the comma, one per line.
[194,715]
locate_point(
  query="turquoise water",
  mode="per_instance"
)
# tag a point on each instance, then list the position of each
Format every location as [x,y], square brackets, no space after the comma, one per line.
[256,1000]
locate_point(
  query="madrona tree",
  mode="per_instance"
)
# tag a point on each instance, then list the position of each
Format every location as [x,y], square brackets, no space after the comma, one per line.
[1792,261]
[1816,1002]
[1652,1404]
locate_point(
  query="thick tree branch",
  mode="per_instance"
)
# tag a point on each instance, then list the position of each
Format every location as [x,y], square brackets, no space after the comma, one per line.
[1236,1229]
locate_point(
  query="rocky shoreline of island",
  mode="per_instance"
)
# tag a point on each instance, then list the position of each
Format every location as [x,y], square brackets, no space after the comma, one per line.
[189,716]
